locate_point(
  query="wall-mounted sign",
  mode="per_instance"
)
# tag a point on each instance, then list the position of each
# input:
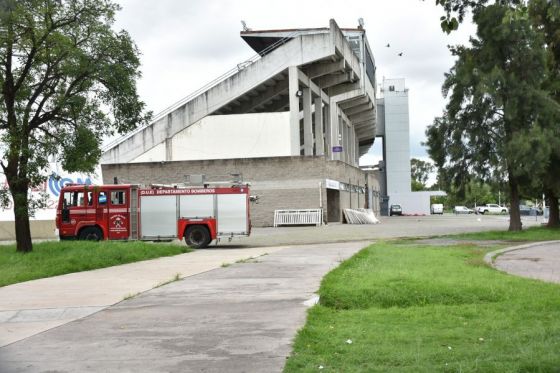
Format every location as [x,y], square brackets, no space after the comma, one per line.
[50,188]
[337,185]
[337,149]
[332,184]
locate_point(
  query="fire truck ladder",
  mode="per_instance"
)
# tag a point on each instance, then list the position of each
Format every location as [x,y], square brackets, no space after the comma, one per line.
[205,181]
[134,213]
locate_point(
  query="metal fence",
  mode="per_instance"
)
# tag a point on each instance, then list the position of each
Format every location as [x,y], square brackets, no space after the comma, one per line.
[360,216]
[298,217]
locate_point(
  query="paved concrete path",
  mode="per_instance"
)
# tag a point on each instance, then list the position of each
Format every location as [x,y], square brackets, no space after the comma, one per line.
[31,307]
[240,318]
[540,261]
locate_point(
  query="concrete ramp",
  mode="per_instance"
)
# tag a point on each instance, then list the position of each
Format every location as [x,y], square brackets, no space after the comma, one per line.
[298,71]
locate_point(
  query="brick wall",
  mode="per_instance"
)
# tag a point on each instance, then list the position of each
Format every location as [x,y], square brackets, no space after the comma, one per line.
[280,182]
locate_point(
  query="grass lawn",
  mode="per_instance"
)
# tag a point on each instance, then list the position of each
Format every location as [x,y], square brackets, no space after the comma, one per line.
[529,234]
[57,258]
[404,307]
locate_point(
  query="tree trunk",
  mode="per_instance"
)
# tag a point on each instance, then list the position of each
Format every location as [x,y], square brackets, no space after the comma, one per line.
[21,214]
[554,213]
[514,214]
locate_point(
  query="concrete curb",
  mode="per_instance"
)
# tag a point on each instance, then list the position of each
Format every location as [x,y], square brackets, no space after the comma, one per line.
[491,256]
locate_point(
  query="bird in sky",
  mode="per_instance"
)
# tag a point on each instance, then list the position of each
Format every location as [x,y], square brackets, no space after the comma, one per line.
[388,45]
[400,54]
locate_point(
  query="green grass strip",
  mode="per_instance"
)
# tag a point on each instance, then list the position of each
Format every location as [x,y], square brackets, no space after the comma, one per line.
[415,308]
[529,234]
[57,258]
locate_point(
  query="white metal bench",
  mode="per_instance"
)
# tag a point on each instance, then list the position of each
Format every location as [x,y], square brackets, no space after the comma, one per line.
[298,217]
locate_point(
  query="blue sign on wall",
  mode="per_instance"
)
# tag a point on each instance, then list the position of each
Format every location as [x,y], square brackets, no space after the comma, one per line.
[57,183]
[337,149]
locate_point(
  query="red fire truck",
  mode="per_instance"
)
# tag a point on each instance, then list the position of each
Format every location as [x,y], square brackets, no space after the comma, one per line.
[156,213]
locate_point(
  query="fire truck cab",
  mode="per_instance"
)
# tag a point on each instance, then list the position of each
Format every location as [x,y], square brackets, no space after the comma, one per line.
[130,212]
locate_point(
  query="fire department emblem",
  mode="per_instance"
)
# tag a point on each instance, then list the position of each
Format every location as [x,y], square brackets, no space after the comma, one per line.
[118,223]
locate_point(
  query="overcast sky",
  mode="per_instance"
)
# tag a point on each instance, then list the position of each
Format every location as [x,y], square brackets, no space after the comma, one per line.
[186,44]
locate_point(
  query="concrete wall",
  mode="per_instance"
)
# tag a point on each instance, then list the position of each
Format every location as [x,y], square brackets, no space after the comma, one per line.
[155,154]
[300,50]
[397,136]
[380,125]
[227,137]
[414,202]
[280,182]
[352,200]
[40,229]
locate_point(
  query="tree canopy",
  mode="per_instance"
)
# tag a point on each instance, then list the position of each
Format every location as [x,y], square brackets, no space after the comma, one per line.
[456,10]
[67,79]
[498,119]
[544,16]
[420,172]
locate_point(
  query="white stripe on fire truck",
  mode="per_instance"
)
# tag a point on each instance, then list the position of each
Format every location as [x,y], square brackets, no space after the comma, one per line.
[118,210]
[78,212]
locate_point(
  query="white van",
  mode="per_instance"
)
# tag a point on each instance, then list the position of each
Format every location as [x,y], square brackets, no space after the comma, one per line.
[437,208]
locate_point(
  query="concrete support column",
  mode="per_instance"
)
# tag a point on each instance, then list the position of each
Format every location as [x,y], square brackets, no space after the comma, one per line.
[337,136]
[353,139]
[334,124]
[346,142]
[350,146]
[357,150]
[168,139]
[328,133]
[341,139]
[307,123]
[319,138]
[168,150]
[294,110]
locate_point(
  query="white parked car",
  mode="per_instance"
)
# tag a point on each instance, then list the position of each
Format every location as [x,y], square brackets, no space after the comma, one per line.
[492,208]
[437,208]
[462,210]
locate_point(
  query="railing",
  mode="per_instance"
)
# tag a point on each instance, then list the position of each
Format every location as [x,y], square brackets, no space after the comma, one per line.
[240,66]
[360,216]
[298,217]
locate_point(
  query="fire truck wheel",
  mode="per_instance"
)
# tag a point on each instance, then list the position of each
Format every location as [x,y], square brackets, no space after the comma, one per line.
[197,236]
[91,234]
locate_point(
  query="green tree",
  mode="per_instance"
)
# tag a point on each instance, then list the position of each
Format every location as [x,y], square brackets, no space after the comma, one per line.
[492,126]
[545,16]
[67,79]
[420,172]
[475,192]
[456,10]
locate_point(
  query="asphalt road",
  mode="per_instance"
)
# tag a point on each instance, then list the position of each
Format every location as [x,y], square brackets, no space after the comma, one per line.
[540,261]
[390,227]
